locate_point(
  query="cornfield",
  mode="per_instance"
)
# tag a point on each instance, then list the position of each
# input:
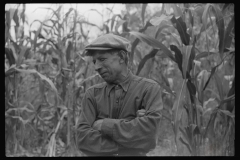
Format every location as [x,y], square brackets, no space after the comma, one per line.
[189,49]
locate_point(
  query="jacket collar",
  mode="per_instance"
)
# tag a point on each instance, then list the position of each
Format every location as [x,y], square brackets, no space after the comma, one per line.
[124,84]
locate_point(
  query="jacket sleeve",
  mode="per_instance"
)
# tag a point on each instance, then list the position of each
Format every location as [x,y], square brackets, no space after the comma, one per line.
[89,139]
[141,132]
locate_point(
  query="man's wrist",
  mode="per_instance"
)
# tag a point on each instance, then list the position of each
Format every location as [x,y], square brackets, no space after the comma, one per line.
[97,124]
[107,126]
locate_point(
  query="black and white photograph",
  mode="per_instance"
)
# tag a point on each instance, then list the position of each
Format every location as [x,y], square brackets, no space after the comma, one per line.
[119,79]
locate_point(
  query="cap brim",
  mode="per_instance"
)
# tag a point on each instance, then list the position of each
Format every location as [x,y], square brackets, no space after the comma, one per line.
[98,48]
[87,51]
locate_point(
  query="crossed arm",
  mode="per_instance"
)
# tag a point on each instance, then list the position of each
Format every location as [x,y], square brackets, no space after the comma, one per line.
[98,124]
[107,135]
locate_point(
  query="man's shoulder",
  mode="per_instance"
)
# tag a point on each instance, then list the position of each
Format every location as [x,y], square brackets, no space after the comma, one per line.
[99,85]
[149,81]
[146,80]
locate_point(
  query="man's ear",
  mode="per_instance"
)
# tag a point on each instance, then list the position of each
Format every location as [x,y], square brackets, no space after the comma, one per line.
[121,55]
[121,61]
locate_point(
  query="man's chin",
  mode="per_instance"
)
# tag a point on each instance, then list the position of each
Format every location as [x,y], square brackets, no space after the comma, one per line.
[107,80]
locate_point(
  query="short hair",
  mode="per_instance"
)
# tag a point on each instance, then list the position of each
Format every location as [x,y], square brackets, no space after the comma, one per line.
[122,54]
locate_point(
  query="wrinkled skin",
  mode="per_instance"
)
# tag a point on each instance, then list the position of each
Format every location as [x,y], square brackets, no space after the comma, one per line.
[110,66]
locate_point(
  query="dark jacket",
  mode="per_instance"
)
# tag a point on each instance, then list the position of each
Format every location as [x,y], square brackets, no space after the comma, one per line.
[122,132]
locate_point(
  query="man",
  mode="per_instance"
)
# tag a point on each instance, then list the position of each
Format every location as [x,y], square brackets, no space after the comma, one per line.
[119,117]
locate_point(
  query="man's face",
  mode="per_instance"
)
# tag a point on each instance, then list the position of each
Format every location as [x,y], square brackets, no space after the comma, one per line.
[107,65]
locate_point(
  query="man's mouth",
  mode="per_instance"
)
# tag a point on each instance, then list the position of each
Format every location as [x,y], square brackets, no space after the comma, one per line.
[102,74]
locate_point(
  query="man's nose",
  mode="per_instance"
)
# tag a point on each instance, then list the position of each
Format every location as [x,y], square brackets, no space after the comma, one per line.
[97,66]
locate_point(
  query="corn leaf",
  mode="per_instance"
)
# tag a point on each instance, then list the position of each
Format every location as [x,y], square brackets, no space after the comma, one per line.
[87,79]
[6,32]
[40,76]
[165,85]
[212,72]
[178,57]
[134,45]
[136,41]
[181,27]
[227,37]
[210,126]
[113,20]
[227,132]
[219,86]
[174,38]
[202,79]
[148,24]
[191,17]
[68,51]
[228,99]
[153,42]
[10,56]
[195,129]
[88,23]
[158,20]
[186,144]
[190,135]
[9,17]
[191,57]
[21,119]
[23,13]
[205,15]
[21,109]
[220,24]
[12,12]
[54,12]
[144,6]
[178,109]
[21,55]
[177,10]
[203,28]
[36,36]
[225,7]
[97,12]
[198,9]
[119,23]
[204,54]
[187,138]
[143,61]
[162,26]
[231,92]
[16,18]
[186,52]
[192,90]
[227,113]
[67,14]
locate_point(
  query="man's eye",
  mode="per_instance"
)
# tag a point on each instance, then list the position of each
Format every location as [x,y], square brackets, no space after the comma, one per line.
[102,59]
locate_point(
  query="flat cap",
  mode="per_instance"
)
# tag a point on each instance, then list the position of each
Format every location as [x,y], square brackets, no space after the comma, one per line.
[107,42]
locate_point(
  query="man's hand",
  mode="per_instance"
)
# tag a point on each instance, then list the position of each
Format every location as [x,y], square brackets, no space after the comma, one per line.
[141,112]
[97,124]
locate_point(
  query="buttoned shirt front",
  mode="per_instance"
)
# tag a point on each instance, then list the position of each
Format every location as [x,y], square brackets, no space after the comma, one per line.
[122,132]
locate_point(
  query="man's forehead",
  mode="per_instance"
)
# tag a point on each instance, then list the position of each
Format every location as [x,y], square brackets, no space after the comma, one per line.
[97,54]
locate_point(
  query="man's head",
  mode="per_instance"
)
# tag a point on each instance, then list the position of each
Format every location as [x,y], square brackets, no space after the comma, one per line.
[110,57]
